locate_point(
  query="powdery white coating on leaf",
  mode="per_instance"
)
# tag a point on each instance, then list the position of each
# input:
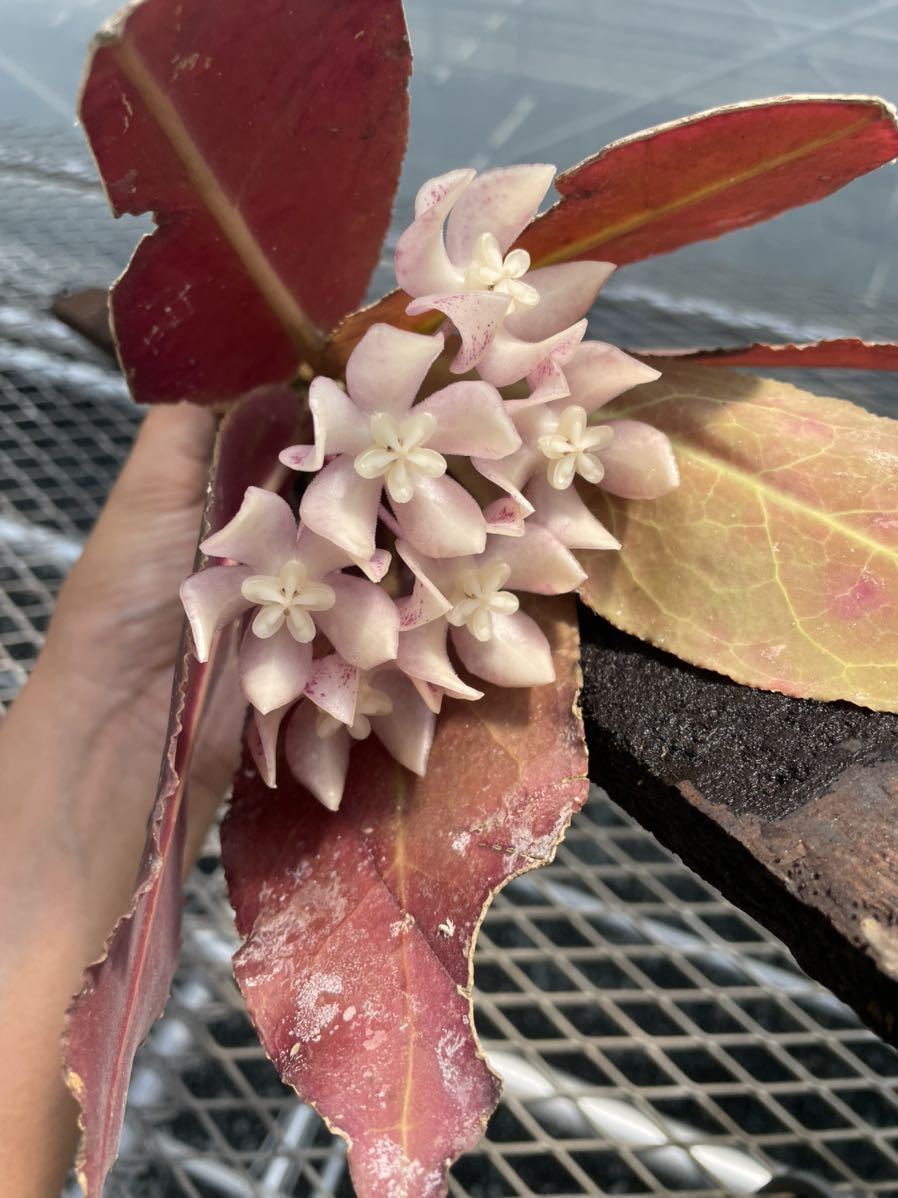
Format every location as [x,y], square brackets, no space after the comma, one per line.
[383,921]
[313,1010]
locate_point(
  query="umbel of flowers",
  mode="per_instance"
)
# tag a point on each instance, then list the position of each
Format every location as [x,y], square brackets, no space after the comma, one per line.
[455,498]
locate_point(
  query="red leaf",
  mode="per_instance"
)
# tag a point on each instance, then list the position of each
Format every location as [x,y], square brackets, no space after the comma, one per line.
[708,174]
[267,138]
[360,926]
[690,180]
[848,352]
[125,992]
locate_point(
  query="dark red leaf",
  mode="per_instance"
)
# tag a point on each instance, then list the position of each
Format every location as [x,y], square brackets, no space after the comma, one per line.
[848,352]
[690,180]
[267,138]
[125,992]
[359,926]
[708,174]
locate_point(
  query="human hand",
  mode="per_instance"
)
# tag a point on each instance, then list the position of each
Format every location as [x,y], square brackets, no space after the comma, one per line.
[79,758]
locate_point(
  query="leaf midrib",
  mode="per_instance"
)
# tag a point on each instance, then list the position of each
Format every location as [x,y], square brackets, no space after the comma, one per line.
[648,215]
[302,332]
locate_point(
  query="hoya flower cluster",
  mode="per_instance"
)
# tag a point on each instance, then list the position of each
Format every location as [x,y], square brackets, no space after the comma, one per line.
[428,511]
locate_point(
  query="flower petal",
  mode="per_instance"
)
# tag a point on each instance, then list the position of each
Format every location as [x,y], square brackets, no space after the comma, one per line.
[339,427]
[441,519]
[387,367]
[211,599]
[502,202]
[470,420]
[407,731]
[433,576]
[341,506]
[421,262]
[477,315]
[274,671]
[512,473]
[639,463]
[261,535]
[363,624]
[262,738]
[598,372]
[505,517]
[333,686]
[319,763]
[423,656]
[567,517]
[538,560]
[320,557]
[517,654]
[508,359]
[566,292]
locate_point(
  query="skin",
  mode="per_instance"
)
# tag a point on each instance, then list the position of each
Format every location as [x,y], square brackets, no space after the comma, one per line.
[79,761]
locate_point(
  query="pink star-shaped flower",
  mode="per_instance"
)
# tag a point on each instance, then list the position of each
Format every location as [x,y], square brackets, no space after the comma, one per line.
[292,580]
[455,258]
[373,440]
[558,444]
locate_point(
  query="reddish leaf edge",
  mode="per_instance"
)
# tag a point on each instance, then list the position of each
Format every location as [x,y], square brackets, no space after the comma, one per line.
[848,353]
[192,688]
[568,625]
[190,693]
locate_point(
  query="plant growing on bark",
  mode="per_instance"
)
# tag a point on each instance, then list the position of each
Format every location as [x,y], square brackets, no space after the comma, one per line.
[405,500]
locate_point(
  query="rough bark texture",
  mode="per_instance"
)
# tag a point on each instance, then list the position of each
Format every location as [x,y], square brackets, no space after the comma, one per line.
[786,805]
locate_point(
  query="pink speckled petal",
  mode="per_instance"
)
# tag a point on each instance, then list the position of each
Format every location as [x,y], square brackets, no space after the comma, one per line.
[319,763]
[538,560]
[477,315]
[505,517]
[433,577]
[363,624]
[597,372]
[421,262]
[211,599]
[262,738]
[517,654]
[334,687]
[423,656]
[273,671]
[387,367]
[502,202]
[566,292]
[508,359]
[341,506]
[407,732]
[339,427]
[262,534]
[441,519]
[567,517]
[639,463]
[471,421]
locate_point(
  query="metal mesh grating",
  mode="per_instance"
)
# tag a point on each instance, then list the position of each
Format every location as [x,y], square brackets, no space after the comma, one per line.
[655,1040]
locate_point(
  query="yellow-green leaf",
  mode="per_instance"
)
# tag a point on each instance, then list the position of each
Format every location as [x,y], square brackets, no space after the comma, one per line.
[776,561]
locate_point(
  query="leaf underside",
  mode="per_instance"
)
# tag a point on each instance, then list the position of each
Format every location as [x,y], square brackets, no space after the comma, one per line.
[126,991]
[359,926]
[776,560]
[267,138]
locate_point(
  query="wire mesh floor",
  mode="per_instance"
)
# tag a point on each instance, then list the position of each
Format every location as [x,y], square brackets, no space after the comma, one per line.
[654,1039]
